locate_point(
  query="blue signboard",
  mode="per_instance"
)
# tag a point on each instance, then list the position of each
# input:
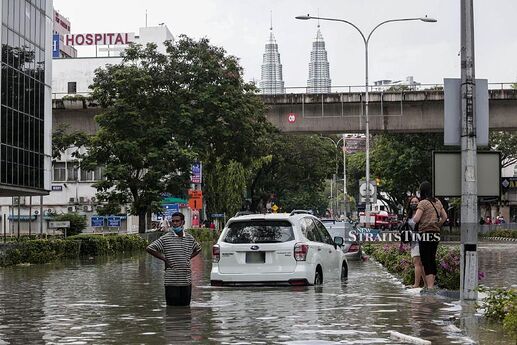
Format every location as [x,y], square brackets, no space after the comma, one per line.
[113,221]
[97,221]
[217,215]
[196,173]
[55,46]
[57,188]
[170,209]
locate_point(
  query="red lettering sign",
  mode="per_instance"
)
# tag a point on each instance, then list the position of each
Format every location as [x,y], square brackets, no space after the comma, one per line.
[111,38]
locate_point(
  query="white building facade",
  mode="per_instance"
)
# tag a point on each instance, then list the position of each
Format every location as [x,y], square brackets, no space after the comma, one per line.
[68,187]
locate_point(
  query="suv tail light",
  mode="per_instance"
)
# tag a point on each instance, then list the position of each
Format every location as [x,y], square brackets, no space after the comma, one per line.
[300,251]
[216,253]
[354,247]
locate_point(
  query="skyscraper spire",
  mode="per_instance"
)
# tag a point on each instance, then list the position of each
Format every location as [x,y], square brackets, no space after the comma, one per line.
[319,75]
[271,77]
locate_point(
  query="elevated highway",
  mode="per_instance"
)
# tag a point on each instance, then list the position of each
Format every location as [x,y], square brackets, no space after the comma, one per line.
[405,112]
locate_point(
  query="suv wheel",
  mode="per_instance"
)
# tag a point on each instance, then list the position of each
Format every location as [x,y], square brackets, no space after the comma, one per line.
[318,277]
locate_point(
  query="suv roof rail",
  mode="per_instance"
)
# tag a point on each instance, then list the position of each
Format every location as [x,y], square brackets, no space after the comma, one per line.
[293,212]
[243,213]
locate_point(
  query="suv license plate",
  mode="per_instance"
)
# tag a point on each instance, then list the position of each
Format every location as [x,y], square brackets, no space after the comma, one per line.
[255,257]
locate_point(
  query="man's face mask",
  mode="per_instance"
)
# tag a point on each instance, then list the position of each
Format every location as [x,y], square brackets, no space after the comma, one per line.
[177,227]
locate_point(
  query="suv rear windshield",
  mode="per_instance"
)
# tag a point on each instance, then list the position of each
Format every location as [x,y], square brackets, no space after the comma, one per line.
[261,231]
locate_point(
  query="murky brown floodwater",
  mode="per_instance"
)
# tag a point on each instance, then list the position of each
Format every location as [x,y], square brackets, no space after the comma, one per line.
[120,301]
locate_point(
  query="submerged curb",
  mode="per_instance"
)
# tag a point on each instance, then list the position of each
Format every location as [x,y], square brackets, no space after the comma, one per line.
[508,239]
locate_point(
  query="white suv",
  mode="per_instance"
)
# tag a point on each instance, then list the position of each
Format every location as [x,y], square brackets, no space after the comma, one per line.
[274,249]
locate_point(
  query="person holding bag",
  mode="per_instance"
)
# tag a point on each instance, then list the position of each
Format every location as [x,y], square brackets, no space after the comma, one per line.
[430,216]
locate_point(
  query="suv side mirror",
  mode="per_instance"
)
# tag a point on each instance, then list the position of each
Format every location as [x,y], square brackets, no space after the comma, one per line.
[338,241]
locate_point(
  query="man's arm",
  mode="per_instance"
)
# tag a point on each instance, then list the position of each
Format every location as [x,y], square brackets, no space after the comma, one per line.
[158,255]
[195,250]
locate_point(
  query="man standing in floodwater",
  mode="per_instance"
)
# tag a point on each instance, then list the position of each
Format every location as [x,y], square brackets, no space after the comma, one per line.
[176,248]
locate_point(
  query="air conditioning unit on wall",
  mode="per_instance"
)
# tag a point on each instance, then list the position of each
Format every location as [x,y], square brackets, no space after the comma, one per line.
[71,209]
[20,199]
[87,208]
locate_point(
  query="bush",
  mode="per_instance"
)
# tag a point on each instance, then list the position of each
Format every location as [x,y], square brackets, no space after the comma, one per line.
[40,251]
[77,222]
[397,260]
[501,305]
[501,233]
[204,234]
[93,245]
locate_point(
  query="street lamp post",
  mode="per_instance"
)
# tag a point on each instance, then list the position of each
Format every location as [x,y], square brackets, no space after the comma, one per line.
[366,40]
[336,144]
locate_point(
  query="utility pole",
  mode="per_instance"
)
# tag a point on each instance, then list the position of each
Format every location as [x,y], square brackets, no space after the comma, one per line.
[344,178]
[469,192]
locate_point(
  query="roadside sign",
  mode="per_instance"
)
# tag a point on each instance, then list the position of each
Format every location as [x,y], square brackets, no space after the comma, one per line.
[195,201]
[196,172]
[291,118]
[274,208]
[170,209]
[58,225]
[113,221]
[217,215]
[97,221]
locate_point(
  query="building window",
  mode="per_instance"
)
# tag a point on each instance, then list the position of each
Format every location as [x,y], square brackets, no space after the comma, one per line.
[86,175]
[72,171]
[72,87]
[99,174]
[59,171]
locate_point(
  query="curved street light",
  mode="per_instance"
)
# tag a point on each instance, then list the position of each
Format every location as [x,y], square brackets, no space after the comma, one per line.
[366,40]
[336,144]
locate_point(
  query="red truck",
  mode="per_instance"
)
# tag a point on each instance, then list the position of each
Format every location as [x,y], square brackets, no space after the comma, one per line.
[381,220]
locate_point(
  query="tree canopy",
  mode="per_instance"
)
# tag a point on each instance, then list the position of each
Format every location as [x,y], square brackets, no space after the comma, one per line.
[161,111]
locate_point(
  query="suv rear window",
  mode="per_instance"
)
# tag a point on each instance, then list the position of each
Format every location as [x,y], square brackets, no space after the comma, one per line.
[261,231]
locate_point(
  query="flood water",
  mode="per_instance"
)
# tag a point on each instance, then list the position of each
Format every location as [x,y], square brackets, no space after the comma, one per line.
[121,301]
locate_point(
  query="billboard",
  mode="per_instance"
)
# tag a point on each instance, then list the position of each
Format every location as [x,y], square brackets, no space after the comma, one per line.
[355,144]
[447,173]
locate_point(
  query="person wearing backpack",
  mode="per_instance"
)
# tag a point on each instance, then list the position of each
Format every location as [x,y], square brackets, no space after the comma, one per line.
[430,216]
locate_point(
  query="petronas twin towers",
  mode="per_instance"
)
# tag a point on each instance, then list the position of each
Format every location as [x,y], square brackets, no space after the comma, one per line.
[319,77]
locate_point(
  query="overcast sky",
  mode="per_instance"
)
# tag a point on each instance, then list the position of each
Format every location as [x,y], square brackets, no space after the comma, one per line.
[426,51]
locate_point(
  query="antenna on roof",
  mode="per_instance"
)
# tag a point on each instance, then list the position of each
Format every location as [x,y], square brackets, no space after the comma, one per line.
[145,18]
[271,18]
[318,18]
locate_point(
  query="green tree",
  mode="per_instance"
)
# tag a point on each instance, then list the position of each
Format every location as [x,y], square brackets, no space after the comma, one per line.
[141,152]
[63,138]
[163,110]
[506,143]
[225,187]
[77,222]
[403,161]
[294,172]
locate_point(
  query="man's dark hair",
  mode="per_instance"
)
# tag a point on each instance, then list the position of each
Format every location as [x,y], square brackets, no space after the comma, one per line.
[426,191]
[178,214]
